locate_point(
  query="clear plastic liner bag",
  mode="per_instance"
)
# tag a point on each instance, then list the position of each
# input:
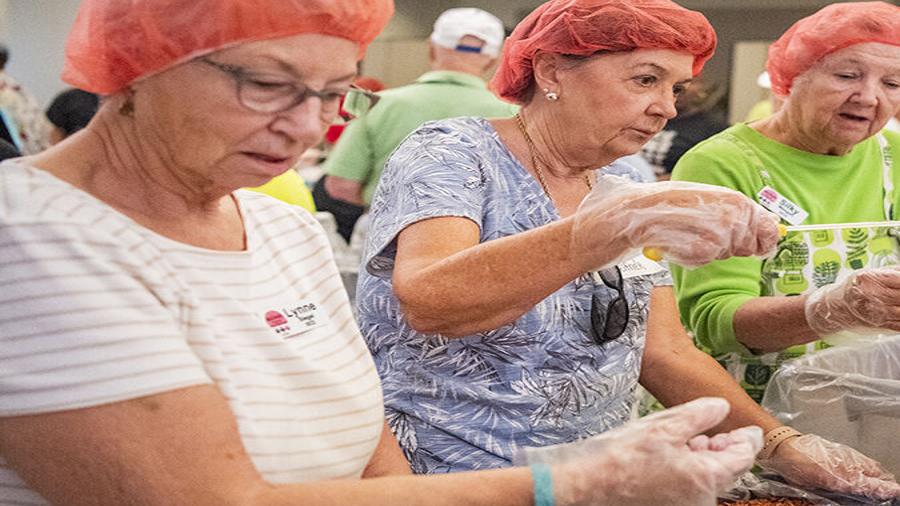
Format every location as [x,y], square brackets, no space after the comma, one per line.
[849,395]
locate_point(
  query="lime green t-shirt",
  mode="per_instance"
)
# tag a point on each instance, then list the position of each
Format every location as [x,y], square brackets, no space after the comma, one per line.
[832,189]
[368,141]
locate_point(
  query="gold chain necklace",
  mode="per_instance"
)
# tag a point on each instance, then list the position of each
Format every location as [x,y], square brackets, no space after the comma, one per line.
[534,160]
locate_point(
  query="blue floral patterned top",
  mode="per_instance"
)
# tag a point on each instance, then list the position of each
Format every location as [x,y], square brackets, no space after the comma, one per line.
[469,403]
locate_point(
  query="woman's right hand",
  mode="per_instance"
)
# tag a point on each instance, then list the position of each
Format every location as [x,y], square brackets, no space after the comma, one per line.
[659,459]
[866,299]
[692,223]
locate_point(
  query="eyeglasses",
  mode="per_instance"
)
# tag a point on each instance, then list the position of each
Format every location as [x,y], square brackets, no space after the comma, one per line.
[359,101]
[610,321]
[272,94]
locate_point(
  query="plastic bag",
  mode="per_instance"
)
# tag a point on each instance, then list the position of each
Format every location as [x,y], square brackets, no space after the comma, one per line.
[849,395]
[766,486]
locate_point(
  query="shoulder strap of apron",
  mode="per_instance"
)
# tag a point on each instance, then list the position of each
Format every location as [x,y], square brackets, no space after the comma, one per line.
[887,181]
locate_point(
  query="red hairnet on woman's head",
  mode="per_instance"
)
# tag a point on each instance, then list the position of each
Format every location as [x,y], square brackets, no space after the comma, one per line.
[115,42]
[830,29]
[583,27]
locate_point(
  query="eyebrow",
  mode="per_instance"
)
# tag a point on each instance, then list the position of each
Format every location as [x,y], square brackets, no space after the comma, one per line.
[659,68]
[860,63]
[290,69]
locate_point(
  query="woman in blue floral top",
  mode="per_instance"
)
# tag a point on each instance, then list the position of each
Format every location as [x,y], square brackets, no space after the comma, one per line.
[490,330]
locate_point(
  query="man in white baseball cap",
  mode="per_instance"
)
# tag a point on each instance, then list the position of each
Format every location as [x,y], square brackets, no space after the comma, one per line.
[453,25]
[465,44]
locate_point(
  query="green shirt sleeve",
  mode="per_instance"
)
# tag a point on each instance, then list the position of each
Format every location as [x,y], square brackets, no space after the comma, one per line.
[709,296]
[352,156]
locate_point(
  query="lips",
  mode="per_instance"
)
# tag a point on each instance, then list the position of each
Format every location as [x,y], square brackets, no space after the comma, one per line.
[854,117]
[268,158]
[648,133]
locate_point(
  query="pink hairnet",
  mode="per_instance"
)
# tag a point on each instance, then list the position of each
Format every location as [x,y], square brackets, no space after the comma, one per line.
[115,42]
[832,28]
[583,27]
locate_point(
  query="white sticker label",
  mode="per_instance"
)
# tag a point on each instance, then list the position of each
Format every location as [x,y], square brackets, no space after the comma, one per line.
[295,319]
[784,208]
[639,266]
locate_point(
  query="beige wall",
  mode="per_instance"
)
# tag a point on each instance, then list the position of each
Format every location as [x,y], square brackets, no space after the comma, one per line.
[35,32]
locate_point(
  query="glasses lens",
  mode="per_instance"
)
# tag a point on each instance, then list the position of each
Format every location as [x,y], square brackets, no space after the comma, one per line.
[616,319]
[358,102]
[609,321]
[268,95]
[612,278]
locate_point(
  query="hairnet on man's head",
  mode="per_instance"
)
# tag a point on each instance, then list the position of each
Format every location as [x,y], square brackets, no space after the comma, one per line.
[583,27]
[830,29]
[115,42]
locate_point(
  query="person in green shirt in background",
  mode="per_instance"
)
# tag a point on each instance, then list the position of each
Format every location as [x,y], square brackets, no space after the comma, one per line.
[764,108]
[464,45]
[838,72]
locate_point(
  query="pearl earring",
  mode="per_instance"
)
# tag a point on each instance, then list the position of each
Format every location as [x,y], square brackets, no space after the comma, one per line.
[551,95]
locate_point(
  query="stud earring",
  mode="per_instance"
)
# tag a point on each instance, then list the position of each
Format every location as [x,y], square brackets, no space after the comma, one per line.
[551,95]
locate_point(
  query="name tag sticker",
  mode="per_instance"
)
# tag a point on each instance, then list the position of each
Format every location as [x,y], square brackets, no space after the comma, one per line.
[295,319]
[780,205]
[639,266]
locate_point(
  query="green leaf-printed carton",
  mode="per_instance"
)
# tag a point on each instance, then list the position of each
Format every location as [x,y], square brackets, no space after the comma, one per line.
[856,240]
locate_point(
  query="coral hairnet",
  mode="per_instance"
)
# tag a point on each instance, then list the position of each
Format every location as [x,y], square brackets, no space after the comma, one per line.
[830,29]
[115,42]
[583,27]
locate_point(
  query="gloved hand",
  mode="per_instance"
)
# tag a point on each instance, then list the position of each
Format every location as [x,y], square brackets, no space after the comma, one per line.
[865,300]
[812,462]
[692,223]
[658,459]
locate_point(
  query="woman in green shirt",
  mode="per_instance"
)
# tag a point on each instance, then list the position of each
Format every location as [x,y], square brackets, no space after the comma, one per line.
[839,74]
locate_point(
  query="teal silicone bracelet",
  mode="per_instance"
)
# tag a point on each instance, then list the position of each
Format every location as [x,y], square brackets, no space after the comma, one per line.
[543,485]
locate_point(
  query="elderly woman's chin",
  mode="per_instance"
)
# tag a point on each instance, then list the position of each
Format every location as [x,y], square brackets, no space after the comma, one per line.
[848,130]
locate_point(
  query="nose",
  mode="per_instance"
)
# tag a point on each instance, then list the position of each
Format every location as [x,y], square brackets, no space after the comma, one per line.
[664,106]
[302,123]
[867,93]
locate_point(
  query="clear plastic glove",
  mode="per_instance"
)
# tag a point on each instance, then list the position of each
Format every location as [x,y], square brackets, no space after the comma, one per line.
[810,461]
[865,300]
[659,459]
[691,223]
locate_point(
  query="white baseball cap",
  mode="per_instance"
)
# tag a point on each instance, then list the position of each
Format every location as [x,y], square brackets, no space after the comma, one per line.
[763,80]
[454,24]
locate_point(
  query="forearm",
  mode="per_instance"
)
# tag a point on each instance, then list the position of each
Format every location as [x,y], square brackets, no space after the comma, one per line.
[507,487]
[675,371]
[772,323]
[691,374]
[487,285]
[183,447]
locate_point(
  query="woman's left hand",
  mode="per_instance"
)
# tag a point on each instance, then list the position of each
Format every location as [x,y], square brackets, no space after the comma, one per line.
[811,461]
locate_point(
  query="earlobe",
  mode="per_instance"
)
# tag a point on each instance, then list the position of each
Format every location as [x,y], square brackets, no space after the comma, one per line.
[546,70]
